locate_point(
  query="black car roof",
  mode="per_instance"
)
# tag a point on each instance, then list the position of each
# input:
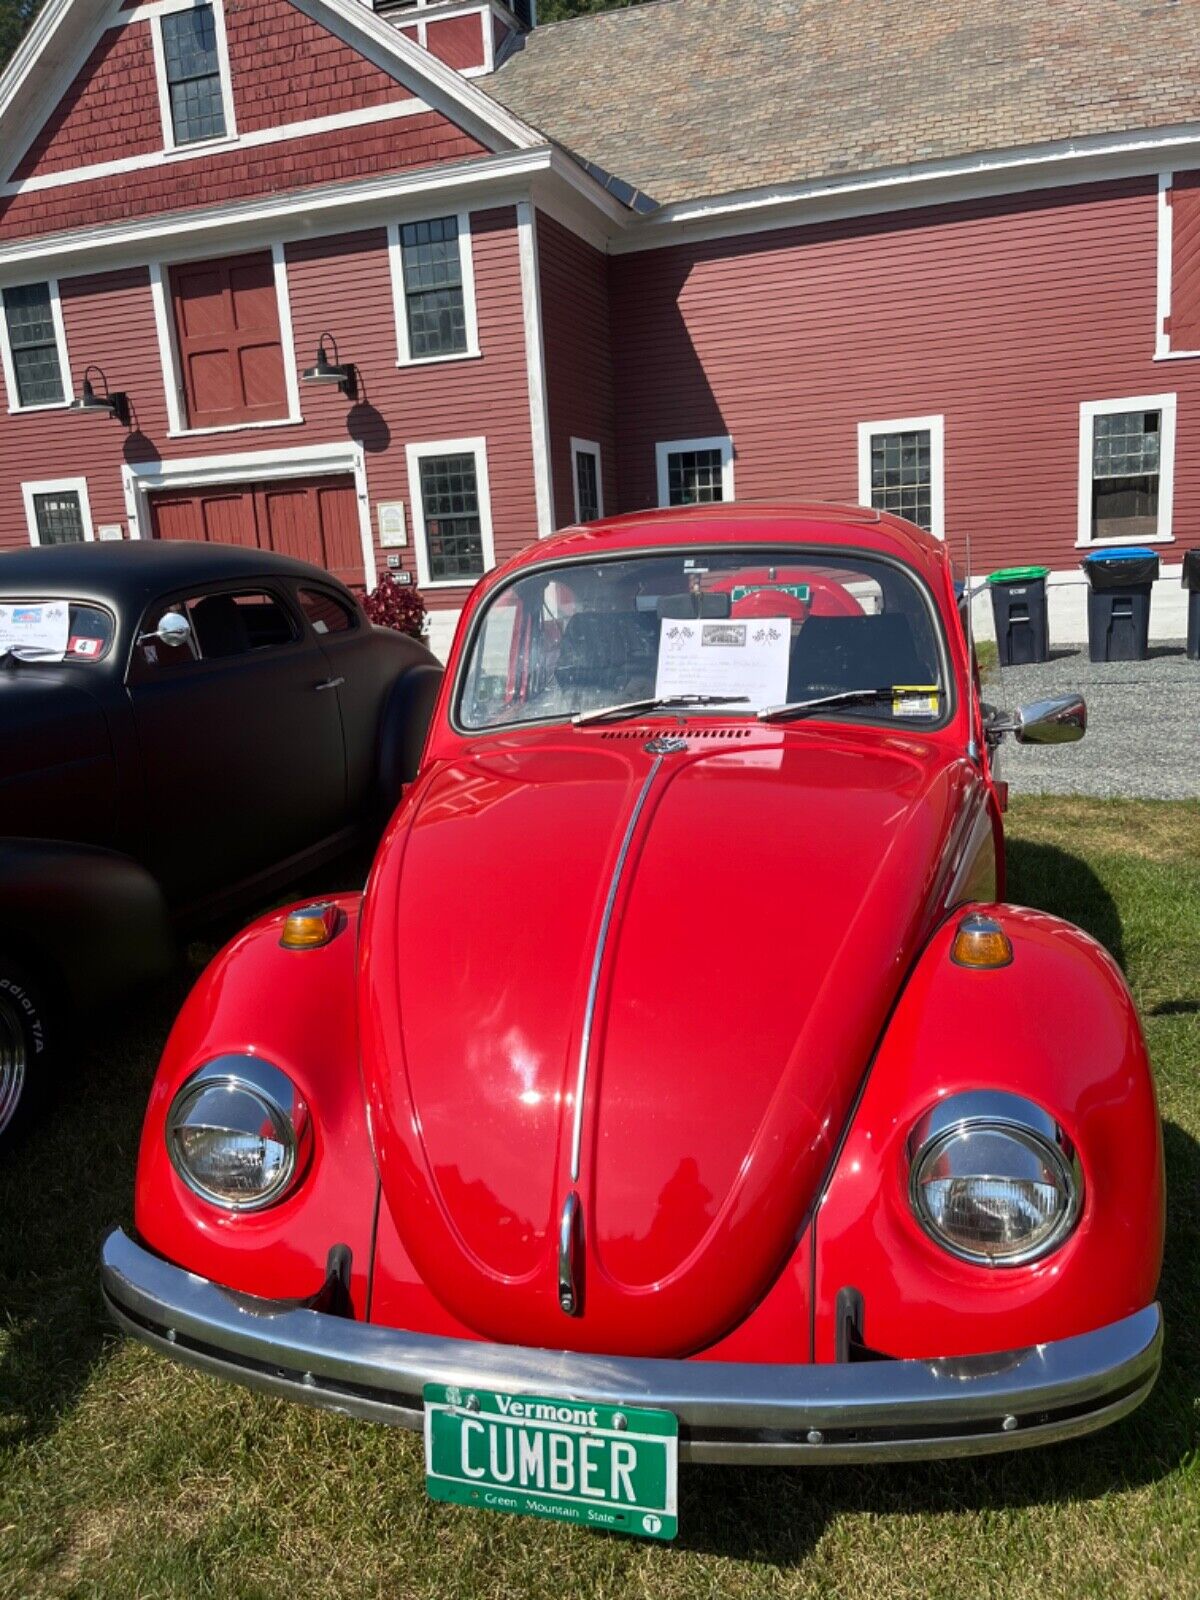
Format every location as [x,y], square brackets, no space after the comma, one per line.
[131,572]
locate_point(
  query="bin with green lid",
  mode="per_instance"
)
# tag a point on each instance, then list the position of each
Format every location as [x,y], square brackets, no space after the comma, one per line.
[1019,607]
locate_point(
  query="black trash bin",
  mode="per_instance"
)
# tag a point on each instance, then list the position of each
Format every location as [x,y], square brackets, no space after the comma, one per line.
[1191,582]
[1119,585]
[1019,607]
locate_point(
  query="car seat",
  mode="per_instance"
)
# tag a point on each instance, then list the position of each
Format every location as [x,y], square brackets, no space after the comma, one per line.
[833,653]
[219,626]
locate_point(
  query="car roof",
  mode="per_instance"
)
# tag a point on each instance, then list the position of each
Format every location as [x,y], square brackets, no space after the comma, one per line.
[741,522]
[128,574]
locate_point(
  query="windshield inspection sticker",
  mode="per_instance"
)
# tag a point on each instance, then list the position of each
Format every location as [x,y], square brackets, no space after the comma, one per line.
[735,658]
[35,629]
[915,699]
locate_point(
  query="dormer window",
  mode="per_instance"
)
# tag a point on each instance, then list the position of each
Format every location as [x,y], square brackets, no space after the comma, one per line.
[193,75]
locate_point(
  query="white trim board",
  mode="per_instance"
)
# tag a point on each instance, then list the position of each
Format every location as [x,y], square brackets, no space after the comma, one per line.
[76,486]
[64,361]
[935,426]
[413,455]
[535,368]
[587,447]
[1166,404]
[466,267]
[673,447]
[142,479]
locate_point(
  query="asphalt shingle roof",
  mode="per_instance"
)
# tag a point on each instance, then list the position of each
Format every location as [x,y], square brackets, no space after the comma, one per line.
[688,98]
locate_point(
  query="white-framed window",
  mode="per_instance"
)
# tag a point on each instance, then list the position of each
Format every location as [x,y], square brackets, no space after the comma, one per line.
[33,347]
[695,472]
[901,468]
[587,480]
[451,511]
[191,65]
[1127,470]
[57,511]
[433,289]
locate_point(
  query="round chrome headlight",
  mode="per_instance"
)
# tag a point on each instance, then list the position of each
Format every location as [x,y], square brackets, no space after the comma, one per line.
[239,1134]
[994,1179]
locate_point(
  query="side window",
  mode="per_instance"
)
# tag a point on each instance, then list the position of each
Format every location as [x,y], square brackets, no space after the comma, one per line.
[222,625]
[325,612]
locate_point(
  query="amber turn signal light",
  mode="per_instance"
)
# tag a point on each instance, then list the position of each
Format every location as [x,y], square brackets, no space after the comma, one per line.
[309,927]
[981,942]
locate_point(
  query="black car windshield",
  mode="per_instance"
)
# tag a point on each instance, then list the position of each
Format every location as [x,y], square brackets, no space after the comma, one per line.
[730,632]
[54,630]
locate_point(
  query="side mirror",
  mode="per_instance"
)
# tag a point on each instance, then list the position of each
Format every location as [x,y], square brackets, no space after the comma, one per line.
[1060,720]
[173,629]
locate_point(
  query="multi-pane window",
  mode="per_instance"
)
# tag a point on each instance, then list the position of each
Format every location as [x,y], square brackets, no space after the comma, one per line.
[695,477]
[33,341]
[1126,458]
[193,73]
[58,517]
[902,475]
[453,526]
[587,485]
[434,303]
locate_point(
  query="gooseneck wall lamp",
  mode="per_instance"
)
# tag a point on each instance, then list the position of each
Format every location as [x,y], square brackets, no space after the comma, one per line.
[111,403]
[341,373]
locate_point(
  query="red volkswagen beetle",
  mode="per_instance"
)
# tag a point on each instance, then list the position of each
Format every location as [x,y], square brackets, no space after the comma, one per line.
[681,1087]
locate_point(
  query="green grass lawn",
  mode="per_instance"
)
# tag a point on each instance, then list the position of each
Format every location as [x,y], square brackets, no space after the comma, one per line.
[122,1475]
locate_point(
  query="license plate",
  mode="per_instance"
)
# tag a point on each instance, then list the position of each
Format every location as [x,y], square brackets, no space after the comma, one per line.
[612,1467]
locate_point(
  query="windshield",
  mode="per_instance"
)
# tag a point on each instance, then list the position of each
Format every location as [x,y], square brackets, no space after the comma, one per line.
[54,630]
[730,632]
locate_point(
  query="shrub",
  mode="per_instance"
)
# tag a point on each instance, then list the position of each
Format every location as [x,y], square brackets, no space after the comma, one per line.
[396,605]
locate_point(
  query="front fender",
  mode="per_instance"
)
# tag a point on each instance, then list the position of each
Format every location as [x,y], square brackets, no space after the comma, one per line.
[92,920]
[1059,1026]
[295,1008]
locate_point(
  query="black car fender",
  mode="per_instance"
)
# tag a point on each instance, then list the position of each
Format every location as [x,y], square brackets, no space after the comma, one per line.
[87,921]
[403,727]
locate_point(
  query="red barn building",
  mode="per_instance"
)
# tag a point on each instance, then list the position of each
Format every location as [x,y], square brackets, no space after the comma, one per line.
[943,257]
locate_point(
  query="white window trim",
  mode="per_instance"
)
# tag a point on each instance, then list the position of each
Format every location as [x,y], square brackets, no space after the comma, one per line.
[466,263]
[1088,412]
[587,447]
[229,137]
[143,478]
[172,367]
[414,454]
[57,486]
[935,426]
[60,339]
[1166,268]
[669,447]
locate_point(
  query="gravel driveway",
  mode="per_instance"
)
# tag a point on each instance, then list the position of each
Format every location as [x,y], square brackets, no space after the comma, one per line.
[1143,737]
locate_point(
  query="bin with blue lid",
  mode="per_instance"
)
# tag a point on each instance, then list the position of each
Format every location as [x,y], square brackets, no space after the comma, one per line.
[1119,585]
[1191,582]
[1019,609]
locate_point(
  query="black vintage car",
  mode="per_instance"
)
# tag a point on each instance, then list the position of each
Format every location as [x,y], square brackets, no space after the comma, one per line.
[182,726]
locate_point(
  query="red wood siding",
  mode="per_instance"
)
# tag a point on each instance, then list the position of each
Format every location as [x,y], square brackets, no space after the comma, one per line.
[286,68]
[1184,195]
[337,284]
[228,341]
[458,41]
[578,347]
[110,110]
[1003,315]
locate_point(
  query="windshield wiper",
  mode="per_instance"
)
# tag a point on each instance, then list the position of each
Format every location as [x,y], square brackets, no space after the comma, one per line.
[847,697]
[631,708]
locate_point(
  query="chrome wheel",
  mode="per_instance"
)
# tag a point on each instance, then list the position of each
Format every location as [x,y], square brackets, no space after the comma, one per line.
[13,1056]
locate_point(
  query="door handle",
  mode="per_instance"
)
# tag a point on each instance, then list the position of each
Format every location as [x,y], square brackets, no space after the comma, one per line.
[330,683]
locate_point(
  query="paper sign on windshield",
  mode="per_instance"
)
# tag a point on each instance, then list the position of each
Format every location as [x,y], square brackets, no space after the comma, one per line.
[35,628]
[736,658]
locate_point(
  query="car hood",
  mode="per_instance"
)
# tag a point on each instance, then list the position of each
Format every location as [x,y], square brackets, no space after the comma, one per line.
[765,893]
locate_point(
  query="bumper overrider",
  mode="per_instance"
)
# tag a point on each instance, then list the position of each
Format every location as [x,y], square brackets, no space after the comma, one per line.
[728,1412]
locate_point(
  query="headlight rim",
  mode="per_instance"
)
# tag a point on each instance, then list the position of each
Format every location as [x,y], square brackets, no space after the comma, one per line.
[283,1104]
[996,1111]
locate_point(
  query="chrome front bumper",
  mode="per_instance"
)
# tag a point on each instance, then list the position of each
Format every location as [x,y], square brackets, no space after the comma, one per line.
[728,1412]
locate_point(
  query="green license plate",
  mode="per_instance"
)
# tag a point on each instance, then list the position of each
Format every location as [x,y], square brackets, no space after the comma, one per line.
[610,1467]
